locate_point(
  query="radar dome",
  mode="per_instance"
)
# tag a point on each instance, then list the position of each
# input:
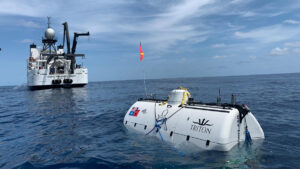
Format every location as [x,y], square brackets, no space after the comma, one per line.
[50,33]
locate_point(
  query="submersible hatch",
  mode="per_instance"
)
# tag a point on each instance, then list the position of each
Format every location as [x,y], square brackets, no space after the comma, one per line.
[180,120]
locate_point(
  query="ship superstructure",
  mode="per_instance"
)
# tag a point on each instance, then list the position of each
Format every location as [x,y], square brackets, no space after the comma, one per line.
[51,66]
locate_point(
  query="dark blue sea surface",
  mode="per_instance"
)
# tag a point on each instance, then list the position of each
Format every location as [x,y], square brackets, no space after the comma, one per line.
[83,127]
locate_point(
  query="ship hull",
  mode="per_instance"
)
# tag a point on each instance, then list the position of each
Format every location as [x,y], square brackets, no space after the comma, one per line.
[55,86]
[40,79]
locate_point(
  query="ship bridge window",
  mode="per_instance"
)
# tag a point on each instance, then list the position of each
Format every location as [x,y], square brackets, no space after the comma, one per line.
[52,70]
[60,69]
[42,65]
[78,66]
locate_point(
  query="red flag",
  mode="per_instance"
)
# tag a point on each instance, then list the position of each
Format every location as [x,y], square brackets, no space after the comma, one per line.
[141,52]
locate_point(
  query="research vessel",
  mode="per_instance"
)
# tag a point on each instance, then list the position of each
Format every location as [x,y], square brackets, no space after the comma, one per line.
[52,66]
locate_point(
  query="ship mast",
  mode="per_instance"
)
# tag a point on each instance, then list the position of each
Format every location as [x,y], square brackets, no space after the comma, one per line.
[48,21]
[49,40]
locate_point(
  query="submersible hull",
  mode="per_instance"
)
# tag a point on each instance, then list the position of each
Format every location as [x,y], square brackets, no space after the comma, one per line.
[180,122]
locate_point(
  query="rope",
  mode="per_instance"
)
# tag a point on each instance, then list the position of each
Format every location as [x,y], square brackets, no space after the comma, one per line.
[185,95]
[158,126]
[162,121]
[248,139]
[159,123]
[172,147]
[174,113]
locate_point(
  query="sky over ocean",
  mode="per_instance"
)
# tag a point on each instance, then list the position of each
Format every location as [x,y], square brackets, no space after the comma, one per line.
[181,38]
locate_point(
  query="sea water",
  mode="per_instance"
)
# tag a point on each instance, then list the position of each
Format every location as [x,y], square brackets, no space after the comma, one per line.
[83,127]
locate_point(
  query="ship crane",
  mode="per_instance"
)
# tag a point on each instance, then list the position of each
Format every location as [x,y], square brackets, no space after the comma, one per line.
[76,35]
[67,37]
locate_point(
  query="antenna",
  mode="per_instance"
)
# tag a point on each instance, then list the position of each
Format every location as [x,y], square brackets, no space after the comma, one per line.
[219,98]
[233,99]
[48,21]
[143,69]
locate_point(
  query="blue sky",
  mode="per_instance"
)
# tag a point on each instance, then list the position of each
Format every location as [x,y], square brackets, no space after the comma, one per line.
[180,38]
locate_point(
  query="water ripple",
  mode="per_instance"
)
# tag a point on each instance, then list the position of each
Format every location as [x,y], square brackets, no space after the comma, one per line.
[82,127]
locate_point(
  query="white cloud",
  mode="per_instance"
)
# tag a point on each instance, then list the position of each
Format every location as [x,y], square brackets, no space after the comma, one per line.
[293,47]
[239,1]
[252,57]
[218,45]
[279,51]
[29,24]
[296,51]
[292,44]
[184,59]
[290,21]
[289,48]
[248,14]
[27,41]
[160,24]
[233,27]
[273,14]
[268,34]
[166,30]
[220,56]
[27,8]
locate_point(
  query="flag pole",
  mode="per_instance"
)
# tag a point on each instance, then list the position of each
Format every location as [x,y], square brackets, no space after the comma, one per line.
[144,81]
[143,70]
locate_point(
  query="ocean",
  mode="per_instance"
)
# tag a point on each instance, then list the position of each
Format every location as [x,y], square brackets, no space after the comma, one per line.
[83,127]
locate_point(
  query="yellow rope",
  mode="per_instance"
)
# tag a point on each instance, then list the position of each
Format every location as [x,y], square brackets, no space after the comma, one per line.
[185,95]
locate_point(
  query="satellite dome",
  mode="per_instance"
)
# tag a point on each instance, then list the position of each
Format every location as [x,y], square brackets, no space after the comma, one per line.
[49,33]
